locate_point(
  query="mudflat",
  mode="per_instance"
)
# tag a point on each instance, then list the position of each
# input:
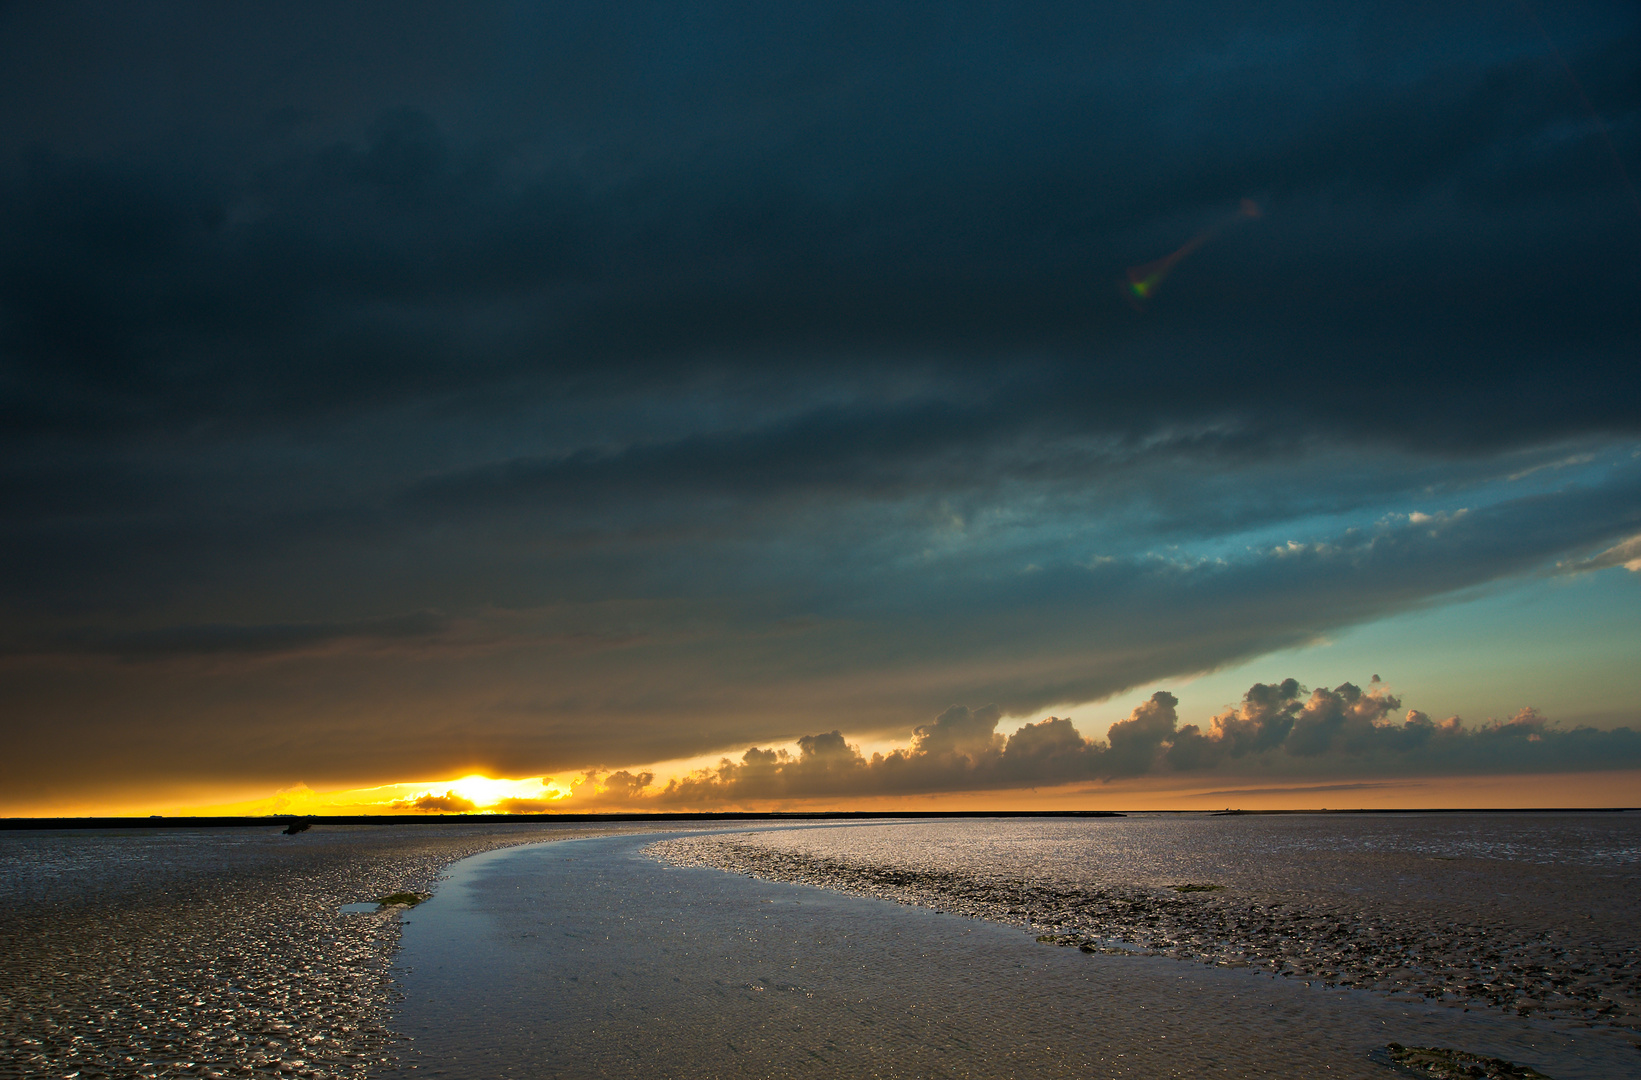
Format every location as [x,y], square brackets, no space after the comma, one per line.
[1531,916]
[228,952]
[212,952]
[592,959]
[1525,913]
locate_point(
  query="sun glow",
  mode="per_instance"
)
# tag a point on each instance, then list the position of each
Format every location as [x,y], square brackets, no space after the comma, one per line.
[484,792]
[473,793]
[476,792]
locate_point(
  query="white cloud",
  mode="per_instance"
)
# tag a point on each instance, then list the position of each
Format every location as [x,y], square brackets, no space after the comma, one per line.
[1626,553]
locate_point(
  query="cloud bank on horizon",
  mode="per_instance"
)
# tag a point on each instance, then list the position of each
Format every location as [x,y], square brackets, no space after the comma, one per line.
[553,389]
[1277,732]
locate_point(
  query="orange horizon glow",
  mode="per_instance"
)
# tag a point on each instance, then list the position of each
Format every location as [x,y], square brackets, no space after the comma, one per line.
[475,793]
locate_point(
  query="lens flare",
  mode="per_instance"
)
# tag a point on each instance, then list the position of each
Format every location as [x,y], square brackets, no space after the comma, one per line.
[1143,279]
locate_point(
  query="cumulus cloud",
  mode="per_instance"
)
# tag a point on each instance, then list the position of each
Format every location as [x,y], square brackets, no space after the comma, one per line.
[1282,728]
[526,806]
[593,790]
[432,803]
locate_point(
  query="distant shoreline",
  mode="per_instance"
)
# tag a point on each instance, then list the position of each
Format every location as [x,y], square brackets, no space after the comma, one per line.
[179,822]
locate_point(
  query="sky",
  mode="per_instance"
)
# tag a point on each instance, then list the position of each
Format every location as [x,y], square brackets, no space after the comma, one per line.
[707,406]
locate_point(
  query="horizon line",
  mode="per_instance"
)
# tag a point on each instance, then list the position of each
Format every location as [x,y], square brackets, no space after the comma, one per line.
[161,821]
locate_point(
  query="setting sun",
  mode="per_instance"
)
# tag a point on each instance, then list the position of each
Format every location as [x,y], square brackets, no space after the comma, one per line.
[483,792]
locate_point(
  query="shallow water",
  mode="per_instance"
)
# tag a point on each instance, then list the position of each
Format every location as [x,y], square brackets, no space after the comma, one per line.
[588,959]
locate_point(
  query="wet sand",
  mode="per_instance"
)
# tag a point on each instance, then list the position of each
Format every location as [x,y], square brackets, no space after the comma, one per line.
[223,953]
[1533,916]
[136,953]
[590,959]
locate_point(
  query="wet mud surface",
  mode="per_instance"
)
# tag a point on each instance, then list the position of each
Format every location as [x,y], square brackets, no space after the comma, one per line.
[588,959]
[225,953]
[1557,937]
[222,952]
[1442,1063]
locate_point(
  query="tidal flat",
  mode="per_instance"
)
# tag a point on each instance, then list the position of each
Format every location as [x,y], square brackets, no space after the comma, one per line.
[1242,947]
[213,952]
[611,957]
[1525,915]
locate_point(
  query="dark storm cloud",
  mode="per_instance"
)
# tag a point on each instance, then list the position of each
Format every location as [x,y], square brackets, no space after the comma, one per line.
[242,640]
[702,359]
[966,209]
[1278,729]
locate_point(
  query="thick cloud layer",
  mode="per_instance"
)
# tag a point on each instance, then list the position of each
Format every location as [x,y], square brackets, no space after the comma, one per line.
[566,388]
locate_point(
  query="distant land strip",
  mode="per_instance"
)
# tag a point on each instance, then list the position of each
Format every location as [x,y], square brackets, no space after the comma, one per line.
[180,822]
